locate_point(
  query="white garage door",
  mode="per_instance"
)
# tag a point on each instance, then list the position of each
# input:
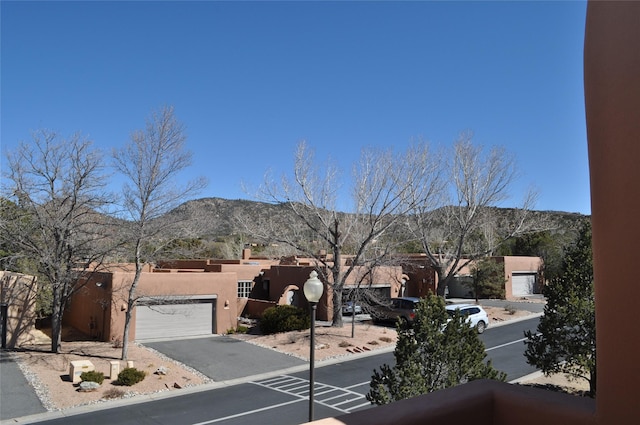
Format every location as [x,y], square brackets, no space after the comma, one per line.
[523,284]
[174,320]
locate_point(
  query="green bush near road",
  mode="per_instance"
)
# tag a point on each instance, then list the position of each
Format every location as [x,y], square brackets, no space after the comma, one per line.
[130,376]
[92,376]
[284,318]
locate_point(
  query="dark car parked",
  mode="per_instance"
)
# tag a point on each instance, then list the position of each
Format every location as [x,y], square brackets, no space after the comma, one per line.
[403,308]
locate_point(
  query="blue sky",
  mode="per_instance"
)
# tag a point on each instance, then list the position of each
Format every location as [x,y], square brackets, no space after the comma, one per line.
[251,79]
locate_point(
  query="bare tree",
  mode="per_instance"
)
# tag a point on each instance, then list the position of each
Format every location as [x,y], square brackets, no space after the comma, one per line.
[457,230]
[384,188]
[151,163]
[54,189]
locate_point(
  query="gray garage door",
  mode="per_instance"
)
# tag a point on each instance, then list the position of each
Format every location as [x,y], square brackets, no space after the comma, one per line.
[193,318]
[523,284]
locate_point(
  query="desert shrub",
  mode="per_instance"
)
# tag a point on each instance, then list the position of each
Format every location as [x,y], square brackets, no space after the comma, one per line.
[239,330]
[344,344]
[385,339]
[130,376]
[92,376]
[284,318]
[112,393]
[509,309]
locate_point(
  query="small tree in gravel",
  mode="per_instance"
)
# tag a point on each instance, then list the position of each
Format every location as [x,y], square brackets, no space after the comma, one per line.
[488,279]
[565,341]
[432,354]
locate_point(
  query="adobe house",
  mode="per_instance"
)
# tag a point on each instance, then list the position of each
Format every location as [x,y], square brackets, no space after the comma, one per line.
[522,276]
[421,279]
[283,284]
[18,297]
[248,269]
[172,303]
[611,85]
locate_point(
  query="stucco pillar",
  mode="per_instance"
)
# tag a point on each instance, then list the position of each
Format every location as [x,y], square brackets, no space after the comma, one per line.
[612,96]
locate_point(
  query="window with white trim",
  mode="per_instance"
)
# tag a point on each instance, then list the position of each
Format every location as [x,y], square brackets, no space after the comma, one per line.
[244,288]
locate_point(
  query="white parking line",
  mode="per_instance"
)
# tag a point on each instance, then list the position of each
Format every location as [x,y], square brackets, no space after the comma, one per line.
[343,396]
[506,344]
[357,385]
[238,415]
[368,403]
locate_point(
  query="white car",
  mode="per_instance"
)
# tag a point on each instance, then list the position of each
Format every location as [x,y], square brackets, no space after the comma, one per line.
[476,316]
[347,308]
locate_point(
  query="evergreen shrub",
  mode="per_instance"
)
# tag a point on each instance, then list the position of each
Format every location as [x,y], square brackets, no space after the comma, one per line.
[92,376]
[284,318]
[130,376]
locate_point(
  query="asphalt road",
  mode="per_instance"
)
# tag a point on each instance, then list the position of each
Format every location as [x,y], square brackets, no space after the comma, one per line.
[283,398]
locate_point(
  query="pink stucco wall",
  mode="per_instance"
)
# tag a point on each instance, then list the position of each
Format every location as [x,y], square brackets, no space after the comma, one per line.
[521,264]
[19,291]
[87,305]
[612,88]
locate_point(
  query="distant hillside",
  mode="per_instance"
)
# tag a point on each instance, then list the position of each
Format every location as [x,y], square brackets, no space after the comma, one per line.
[213,218]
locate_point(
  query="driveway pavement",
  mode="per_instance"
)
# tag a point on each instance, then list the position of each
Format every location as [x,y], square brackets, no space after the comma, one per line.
[17,397]
[223,358]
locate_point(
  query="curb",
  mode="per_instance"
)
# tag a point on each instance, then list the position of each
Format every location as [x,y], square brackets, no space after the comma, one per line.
[516,320]
[527,378]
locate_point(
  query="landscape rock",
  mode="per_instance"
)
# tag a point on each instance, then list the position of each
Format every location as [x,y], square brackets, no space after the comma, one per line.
[162,371]
[88,386]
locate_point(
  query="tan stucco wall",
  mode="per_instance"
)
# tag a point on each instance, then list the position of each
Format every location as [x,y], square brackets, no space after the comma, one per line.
[283,277]
[612,88]
[89,310]
[88,302]
[18,291]
[243,271]
[521,264]
[223,285]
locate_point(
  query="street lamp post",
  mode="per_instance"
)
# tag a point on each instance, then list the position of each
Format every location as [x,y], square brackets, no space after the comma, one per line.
[313,289]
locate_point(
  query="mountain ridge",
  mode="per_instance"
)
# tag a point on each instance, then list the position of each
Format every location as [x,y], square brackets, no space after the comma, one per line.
[214,217]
